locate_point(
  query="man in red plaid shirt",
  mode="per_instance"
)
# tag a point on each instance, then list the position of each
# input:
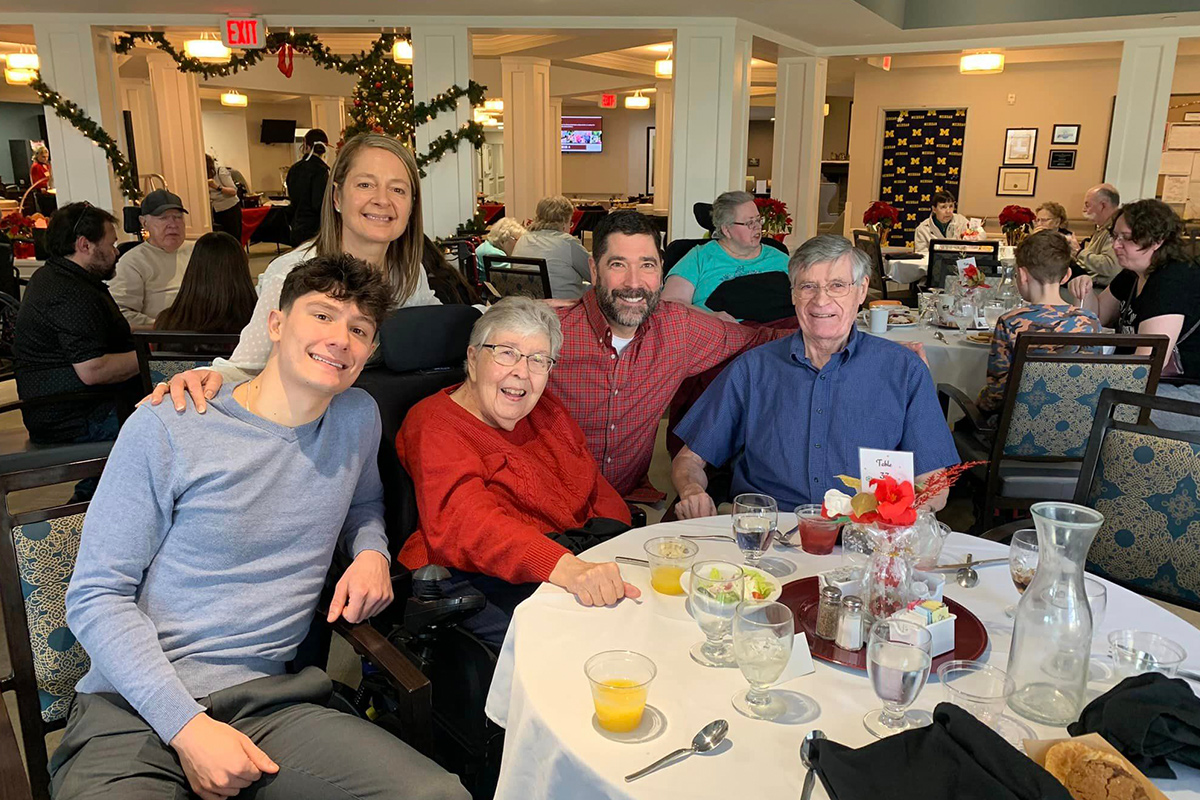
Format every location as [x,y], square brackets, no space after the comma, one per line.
[624,354]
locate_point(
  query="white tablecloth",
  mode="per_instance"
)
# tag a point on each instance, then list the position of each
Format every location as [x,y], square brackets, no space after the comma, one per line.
[954,361]
[540,695]
[911,270]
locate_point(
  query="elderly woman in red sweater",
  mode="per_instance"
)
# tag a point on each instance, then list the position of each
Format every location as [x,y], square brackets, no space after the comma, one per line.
[501,470]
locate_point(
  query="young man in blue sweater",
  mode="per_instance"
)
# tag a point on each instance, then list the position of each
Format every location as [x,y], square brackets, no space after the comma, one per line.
[203,556]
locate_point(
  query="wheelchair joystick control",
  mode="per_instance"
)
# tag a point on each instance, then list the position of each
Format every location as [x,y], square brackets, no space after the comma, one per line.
[425,581]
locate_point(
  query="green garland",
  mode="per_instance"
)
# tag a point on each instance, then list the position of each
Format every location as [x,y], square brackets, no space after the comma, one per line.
[446,101]
[88,127]
[450,140]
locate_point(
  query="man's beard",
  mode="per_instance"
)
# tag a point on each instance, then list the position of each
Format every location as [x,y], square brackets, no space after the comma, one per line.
[104,272]
[626,317]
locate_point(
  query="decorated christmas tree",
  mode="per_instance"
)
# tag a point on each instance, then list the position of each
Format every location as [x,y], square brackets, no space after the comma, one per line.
[383,101]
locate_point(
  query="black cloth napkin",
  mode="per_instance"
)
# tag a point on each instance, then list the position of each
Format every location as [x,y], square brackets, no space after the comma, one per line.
[1150,718]
[955,758]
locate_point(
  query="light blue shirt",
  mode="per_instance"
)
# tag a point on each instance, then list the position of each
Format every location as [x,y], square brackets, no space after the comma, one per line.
[791,428]
[206,546]
[709,265]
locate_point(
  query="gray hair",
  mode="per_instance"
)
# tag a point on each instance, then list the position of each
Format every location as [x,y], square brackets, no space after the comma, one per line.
[823,249]
[723,209]
[552,213]
[504,230]
[1109,193]
[520,315]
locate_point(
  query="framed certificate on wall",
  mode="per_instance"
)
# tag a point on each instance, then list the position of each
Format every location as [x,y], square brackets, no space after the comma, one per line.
[1020,145]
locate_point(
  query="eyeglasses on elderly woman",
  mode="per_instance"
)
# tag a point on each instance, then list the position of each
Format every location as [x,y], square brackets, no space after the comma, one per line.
[506,356]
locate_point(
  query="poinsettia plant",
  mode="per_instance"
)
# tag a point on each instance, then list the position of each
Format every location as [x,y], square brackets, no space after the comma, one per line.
[774,213]
[881,215]
[1016,218]
[889,501]
[17,225]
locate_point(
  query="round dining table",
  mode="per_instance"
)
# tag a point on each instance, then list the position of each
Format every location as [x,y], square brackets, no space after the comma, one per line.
[553,747]
[952,359]
[909,270]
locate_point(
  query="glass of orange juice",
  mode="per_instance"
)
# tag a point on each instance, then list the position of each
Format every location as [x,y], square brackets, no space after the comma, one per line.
[620,682]
[670,557]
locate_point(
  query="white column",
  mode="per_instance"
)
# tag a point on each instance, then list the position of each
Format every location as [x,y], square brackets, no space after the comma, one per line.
[329,114]
[441,59]
[528,168]
[81,66]
[1140,115]
[711,121]
[176,97]
[554,143]
[664,117]
[799,131]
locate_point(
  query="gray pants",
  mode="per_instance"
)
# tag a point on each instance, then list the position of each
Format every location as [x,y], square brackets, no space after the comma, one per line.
[1170,420]
[108,751]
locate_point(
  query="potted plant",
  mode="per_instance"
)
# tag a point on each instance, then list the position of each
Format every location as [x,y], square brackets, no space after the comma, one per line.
[1016,222]
[880,218]
[19,228]
[776,222]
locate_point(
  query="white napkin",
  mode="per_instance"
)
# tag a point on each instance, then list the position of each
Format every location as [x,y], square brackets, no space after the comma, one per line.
[800,664]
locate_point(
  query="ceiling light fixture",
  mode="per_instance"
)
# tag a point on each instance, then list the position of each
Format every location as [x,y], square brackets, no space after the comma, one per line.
[664,68]
[235,99]
[981,63]
[27,61]
[636,101]
[402,52]
[827,109]
[210,51]
[19,77]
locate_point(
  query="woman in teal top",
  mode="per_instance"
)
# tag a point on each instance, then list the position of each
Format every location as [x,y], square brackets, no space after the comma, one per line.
[735,250]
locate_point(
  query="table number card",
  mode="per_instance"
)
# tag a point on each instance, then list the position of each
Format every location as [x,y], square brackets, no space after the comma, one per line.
[881,463]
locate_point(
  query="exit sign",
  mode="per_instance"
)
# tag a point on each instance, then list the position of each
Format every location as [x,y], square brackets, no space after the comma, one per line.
[248,33]
[608,101]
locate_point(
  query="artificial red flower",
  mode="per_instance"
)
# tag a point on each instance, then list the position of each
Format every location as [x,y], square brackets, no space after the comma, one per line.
[895,500]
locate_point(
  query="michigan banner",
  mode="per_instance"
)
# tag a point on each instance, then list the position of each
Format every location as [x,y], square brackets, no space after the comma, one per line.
[922,154]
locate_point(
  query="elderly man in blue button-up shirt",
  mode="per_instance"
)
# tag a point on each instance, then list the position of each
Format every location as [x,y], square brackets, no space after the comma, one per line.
[792,414]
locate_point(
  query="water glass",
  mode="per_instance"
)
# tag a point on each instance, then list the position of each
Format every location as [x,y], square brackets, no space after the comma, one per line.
[978,688]
[1097,595]
[670,557]
[818,534]
[1022,562]
[762,643]
[964,315]
[620,681]
[1135,652]
[898,662]
[992,312]
[755,523]
[714,593]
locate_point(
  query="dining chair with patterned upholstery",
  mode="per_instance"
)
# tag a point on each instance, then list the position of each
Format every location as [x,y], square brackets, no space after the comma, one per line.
[513,275]
[1146,482]
[1035,449]
[37,556]
[163,354]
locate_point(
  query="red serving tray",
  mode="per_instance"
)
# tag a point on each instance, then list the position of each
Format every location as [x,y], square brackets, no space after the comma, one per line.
[803,596]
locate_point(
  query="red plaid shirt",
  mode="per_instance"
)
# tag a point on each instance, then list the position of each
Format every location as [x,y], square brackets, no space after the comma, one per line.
[618,400]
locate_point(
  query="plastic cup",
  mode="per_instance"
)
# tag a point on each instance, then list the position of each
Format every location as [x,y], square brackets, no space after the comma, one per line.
[620,682]
[1135,652]
[976,687]
[818,535]
[670,557]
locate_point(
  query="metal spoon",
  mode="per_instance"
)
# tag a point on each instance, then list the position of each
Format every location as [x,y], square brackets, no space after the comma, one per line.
[708,738]
[966,576]
[806,760]
[938,335]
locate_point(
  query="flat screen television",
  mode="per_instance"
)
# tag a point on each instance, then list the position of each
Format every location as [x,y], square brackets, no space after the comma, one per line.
[582,134]
[278,131]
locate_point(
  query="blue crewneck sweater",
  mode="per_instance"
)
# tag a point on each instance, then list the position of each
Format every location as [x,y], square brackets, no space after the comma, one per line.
[206,546]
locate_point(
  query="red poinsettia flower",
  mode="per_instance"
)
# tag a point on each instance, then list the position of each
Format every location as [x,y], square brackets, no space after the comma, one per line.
[895,500]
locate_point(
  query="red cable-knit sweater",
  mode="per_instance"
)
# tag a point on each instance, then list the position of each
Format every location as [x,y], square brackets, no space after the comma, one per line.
[487,497]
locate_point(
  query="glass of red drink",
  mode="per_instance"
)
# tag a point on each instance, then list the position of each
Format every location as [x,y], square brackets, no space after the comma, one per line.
[817,534]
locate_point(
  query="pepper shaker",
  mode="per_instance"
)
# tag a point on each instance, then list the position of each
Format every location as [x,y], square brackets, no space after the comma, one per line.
[828,612]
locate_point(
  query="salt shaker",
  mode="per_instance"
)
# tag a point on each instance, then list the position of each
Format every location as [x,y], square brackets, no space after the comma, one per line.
[850,624]
[828,612]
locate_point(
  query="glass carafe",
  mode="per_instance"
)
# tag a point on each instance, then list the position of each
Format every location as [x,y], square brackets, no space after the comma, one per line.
[1052,629]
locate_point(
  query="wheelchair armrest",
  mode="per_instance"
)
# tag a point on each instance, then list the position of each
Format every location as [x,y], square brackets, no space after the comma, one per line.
[967,405]
[637,514]
[1004,533]
[414,695]
[13,782]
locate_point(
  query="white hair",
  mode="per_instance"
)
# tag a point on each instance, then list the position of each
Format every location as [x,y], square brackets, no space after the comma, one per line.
[520,315]
[824,249]
[504,230]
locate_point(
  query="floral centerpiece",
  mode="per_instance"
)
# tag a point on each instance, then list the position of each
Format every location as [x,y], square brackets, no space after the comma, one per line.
[888,511]
[972,277]
[880,218]
[777,223]
[1016,221]
[19,228]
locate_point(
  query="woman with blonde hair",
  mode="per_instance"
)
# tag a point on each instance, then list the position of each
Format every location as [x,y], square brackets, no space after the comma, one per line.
[1051,216]
[372,210]
[549,238]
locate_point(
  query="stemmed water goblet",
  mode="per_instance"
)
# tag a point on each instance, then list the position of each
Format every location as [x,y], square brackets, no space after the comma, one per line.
[762,643]
[1022,562]
[898,662]
[755,523]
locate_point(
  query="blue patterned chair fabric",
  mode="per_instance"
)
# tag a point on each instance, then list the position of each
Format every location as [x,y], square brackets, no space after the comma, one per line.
[46,554]
[1148,489]
[1056,403]
[163,371]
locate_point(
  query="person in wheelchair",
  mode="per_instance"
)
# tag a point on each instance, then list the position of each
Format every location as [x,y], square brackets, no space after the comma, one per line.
[202,560]
[507,491]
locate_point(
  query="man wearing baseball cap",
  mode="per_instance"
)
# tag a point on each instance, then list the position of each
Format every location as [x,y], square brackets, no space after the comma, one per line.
[148,276]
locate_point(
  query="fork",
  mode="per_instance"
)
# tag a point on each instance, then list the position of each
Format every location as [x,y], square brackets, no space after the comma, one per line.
[722,537]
